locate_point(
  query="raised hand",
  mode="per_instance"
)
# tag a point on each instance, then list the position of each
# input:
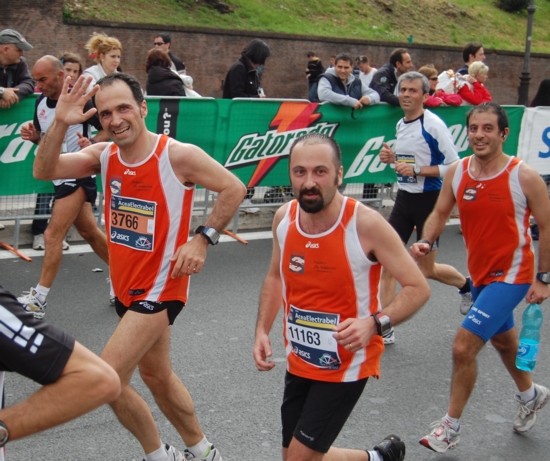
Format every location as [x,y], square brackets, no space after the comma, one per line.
[70,106]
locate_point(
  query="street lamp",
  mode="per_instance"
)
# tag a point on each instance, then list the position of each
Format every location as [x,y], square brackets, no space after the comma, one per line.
[523,90]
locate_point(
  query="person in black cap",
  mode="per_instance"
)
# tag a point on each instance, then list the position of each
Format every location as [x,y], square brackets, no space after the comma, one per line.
[16,81]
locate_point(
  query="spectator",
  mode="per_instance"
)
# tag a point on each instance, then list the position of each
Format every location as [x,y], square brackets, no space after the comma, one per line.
[477,93]
[314,70]
[332,60]
[366,72]
[15,79]
[163,41]
[437,97]
[188,87]
[339,86]
[384,81]
[242,81]
[161,81]
[72,65]
[106,52]
[542,98]
[471,53]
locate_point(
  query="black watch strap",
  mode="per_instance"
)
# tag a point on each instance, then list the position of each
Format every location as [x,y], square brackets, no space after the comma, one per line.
[4,434]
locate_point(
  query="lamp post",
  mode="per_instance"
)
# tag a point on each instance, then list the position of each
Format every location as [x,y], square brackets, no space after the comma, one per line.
[523,90]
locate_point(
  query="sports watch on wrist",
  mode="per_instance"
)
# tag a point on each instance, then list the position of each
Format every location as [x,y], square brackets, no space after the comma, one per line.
[1,92]
[4,434]
[210,233]
[383,323]
[416,170]
[544,277]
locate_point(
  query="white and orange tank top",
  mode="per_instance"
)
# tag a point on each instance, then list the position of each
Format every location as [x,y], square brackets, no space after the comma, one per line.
[147,217]
[494,215]
[327,278]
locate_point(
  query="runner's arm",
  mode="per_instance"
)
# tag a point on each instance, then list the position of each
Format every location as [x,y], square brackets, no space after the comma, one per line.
[536,191]
[270,302]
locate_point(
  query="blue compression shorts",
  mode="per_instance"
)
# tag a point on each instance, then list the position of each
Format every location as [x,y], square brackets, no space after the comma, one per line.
[492,312]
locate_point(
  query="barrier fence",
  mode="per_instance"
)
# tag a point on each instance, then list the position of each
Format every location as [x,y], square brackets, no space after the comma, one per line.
[252,138]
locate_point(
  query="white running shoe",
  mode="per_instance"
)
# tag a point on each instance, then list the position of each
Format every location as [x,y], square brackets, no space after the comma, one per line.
[465,302]
[442,437]
[249,208]
[389,337]
[65,245]
[213,455]
[38,242]
[32,304]
[527,411]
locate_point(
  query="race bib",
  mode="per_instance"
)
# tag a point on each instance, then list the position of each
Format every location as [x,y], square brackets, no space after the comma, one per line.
[410,160]
[133,222]
[310,335]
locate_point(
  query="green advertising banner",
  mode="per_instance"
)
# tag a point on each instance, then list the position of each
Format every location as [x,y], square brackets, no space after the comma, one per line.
[252,138]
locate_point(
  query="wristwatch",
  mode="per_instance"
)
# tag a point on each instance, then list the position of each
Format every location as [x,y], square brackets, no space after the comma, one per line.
[383,323]
[1,92]
[210,233]
[4,434]
[416,170]
[544,277]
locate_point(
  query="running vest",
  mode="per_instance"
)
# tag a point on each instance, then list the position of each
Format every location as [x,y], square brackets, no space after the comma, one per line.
[327,278]
[354,89]
[147,217]
[495,223]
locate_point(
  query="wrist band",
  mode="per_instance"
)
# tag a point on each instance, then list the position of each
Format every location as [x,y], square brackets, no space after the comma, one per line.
[426,241]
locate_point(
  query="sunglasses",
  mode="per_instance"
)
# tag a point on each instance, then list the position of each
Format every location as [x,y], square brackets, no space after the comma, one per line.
[158,43]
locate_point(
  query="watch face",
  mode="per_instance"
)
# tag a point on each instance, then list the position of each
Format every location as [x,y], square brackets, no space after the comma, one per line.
[544,277]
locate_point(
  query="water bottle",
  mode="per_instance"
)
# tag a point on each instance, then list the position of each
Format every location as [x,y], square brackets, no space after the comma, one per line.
[529,338]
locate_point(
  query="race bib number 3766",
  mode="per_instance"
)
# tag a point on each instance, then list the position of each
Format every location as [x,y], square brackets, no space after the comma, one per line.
[133,222]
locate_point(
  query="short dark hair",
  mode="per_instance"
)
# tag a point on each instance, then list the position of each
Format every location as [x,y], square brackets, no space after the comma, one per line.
[71,57]
[470,49]
[132,83]
[362,58]
[493,108]
[343,57]
[315,137]
[397,56]
[165,37]
[257,51]
[310,54]
[157,57]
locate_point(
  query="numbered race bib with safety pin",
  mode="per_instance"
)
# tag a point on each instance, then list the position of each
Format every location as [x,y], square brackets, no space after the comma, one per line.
[133,222]
[310,334]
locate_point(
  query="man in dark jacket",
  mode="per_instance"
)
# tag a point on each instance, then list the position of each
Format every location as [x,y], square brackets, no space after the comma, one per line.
[242,80]
[16,81]
[384,81]
[314,70]
[163,41]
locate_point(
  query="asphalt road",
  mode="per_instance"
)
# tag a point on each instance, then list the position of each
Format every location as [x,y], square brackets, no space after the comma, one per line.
[238,407]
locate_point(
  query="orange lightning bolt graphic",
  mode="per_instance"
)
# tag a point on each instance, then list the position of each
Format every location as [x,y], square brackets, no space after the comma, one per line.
[290,116]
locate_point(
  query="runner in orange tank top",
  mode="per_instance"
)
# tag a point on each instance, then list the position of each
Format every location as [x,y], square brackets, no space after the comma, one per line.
[325,269]
[495,194]
[149,182]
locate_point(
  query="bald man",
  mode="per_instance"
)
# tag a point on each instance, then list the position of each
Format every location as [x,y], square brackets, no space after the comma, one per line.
[73,197]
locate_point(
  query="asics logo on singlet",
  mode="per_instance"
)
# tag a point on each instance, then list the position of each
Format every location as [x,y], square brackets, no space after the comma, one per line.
[20,334]
[312,245]
[118,236]
[130,172]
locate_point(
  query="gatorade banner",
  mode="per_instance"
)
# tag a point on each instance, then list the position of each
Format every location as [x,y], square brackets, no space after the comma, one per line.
[534,142]
[252,138]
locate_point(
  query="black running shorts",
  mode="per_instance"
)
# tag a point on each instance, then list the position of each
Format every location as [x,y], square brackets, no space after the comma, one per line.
[70,187]
[173,308]
[31,347]
[410,211]
[314,412]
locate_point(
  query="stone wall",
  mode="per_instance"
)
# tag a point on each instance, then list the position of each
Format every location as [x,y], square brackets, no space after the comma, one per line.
[208,53]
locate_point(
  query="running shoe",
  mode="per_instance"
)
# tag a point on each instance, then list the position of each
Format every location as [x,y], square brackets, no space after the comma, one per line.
[442,437]
[173,454]
[32,304]
[392,448]
[38,242]
[65,245]
[213,455]
[527,411]
[389,336]
[465,302]
[249,208]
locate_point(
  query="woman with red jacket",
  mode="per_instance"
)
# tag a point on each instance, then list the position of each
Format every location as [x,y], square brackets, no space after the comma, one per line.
[477,76]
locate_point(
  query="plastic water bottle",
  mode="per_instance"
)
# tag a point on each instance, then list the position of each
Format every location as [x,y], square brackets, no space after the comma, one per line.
[529,338]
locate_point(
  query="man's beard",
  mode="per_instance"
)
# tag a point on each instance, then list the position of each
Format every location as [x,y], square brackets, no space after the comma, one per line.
[311,206]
